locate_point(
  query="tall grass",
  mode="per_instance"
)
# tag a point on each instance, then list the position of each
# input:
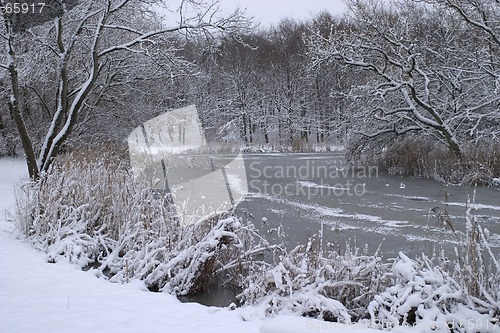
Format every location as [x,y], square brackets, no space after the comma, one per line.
[479,164]
[89,210]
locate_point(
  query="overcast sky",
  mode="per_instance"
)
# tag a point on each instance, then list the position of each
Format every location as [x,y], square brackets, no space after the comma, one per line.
[270,12]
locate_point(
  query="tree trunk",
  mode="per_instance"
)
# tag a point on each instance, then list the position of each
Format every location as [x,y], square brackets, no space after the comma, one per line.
[13,103]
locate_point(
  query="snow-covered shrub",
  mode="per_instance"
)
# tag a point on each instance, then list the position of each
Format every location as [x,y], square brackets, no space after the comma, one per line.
[204,255]
[425,295]
[461,295]
[91,211]
[315,283]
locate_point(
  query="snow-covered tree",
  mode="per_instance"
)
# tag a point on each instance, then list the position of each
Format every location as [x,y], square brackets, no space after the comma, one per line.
[76,51]
[423,72]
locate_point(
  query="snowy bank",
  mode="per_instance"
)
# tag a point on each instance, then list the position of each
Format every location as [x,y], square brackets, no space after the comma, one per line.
[41,297]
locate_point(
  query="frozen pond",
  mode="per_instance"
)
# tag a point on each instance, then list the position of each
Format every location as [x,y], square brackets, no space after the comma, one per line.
[303,191]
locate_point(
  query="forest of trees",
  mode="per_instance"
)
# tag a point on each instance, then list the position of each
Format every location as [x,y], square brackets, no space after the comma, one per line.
[383,75]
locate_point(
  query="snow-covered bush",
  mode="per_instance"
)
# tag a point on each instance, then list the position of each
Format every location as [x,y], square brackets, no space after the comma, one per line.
[462,295]
[425,295]
[323,284]
[435,294]
[91,211]
[204,255]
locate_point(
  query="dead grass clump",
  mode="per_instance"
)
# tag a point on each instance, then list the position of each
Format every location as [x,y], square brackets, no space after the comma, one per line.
[479,164]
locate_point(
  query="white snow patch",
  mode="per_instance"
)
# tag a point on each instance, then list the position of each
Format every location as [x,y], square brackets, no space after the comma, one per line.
[410,197]
[474,206]
[292,324]
[236,184]
[404,268]
[315,185]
